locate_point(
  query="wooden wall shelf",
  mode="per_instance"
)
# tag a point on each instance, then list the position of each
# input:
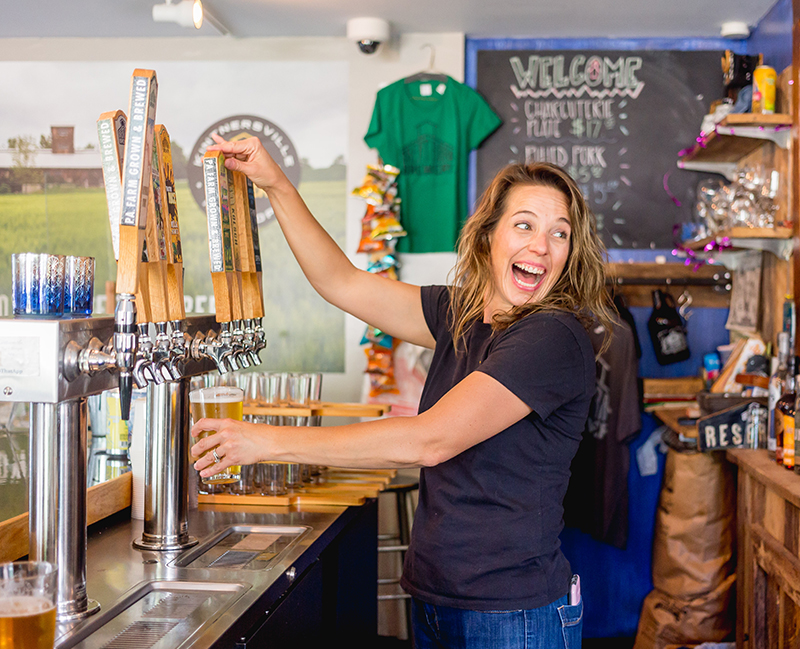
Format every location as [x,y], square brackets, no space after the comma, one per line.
[734,138]
[709,285]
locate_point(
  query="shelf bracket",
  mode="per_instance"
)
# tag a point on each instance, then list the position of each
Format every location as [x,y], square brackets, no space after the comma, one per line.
[780,135]
[727,169]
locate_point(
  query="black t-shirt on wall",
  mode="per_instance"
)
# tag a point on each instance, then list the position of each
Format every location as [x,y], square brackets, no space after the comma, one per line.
[485,534]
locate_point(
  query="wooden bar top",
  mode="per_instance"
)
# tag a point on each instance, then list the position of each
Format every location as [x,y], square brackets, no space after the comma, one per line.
[765,470]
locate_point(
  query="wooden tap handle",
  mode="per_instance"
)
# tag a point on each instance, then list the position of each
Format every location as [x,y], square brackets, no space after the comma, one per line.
[136,177]
[220,253]
[245,238]
[156,237]
[169,200]
[111,134]
[233,225]
[256,243]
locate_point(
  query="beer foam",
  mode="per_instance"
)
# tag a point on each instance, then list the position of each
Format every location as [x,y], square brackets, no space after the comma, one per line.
[216,395]
[24,605]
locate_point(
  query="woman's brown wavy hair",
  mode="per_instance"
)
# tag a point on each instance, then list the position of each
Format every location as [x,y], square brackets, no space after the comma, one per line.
[580,289]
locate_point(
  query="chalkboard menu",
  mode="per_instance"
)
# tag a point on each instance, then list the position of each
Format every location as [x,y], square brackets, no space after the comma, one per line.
[615,120]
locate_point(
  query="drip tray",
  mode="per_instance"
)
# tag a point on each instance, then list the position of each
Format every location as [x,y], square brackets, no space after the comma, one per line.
[243,547]
[158,615]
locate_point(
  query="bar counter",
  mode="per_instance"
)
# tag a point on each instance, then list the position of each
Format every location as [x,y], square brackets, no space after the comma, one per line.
[323,585]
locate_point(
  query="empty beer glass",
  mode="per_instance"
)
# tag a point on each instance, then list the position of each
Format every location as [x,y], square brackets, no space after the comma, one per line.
[79,286]
[27,605]
[38,284]
[271,476]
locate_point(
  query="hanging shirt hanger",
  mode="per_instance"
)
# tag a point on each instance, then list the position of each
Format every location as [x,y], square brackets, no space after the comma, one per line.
[430,73]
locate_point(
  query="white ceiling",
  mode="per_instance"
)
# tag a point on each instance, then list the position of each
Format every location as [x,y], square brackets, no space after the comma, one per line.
[476,18]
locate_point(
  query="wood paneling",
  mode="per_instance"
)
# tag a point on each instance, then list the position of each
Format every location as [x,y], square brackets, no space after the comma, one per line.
[768,570]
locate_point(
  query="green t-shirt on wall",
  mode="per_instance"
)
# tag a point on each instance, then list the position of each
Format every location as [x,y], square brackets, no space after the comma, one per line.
[426,128]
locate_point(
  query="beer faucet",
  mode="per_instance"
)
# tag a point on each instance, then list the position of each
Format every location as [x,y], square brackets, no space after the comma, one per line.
[239,345]
[143,366]
[250,341]
[260,337]
[161,354]
[135,199]
[227,348]
[179,348]
[210,346]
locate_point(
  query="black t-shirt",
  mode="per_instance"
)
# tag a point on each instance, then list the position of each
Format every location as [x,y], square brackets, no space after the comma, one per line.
[485,534]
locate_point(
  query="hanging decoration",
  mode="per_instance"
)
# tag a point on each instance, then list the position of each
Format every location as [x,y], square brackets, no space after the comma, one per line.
[380,230]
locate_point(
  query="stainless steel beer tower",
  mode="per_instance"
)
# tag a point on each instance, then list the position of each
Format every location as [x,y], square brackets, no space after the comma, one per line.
[57,500]
[166,468]
[55,365]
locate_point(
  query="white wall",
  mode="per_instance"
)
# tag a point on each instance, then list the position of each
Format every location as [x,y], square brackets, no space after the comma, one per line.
[405,55]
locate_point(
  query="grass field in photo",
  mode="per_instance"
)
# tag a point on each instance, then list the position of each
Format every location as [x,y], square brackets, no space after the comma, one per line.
[304,332]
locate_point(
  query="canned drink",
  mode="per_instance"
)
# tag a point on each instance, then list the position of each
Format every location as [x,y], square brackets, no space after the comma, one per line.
[764,82]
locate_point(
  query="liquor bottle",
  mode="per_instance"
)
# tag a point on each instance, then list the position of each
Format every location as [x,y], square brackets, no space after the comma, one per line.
[789,449]
[777,383]
[796,435]
[784,417]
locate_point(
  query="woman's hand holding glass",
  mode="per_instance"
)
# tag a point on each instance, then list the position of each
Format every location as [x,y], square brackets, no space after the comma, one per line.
[235,443]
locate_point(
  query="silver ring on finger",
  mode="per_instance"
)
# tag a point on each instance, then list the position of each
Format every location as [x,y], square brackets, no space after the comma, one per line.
[217,458]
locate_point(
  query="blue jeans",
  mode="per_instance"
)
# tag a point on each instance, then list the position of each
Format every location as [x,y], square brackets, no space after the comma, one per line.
[555,626]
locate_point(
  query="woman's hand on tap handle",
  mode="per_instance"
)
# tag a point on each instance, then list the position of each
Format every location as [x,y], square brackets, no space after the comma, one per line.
[251,158]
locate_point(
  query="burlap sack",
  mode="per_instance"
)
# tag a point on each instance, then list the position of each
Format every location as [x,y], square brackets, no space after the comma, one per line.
[694,539]
[668,621]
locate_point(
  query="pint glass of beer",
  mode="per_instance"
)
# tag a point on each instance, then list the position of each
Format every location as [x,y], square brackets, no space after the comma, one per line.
[221,402]
[27,605]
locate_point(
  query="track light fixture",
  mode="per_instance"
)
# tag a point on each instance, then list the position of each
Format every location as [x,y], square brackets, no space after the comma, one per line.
[186,13]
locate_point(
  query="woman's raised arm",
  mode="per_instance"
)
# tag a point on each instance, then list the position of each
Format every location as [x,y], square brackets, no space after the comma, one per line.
[392,306]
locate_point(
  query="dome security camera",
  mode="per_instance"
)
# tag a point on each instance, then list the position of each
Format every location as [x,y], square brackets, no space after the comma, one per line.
[368,33]
[367,46]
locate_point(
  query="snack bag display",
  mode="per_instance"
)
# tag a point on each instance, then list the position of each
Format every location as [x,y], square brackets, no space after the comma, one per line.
[380,229]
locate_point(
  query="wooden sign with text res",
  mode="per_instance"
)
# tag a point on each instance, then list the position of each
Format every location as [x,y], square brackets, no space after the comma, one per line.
[724,429]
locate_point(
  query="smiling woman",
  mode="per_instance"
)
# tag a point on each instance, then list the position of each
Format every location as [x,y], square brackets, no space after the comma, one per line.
[502,412]
[531,245]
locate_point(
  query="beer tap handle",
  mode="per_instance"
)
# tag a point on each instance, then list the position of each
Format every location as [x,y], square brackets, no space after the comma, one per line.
[136,181]
[240,262]
[111,135]
[156,237]
[111,131]
[250,293]
[178,349]
[169,202]
[220,251]
[260,337]
[255,243]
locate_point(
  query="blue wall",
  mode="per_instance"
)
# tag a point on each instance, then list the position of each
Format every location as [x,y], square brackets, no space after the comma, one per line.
[773,36]
[615,582]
